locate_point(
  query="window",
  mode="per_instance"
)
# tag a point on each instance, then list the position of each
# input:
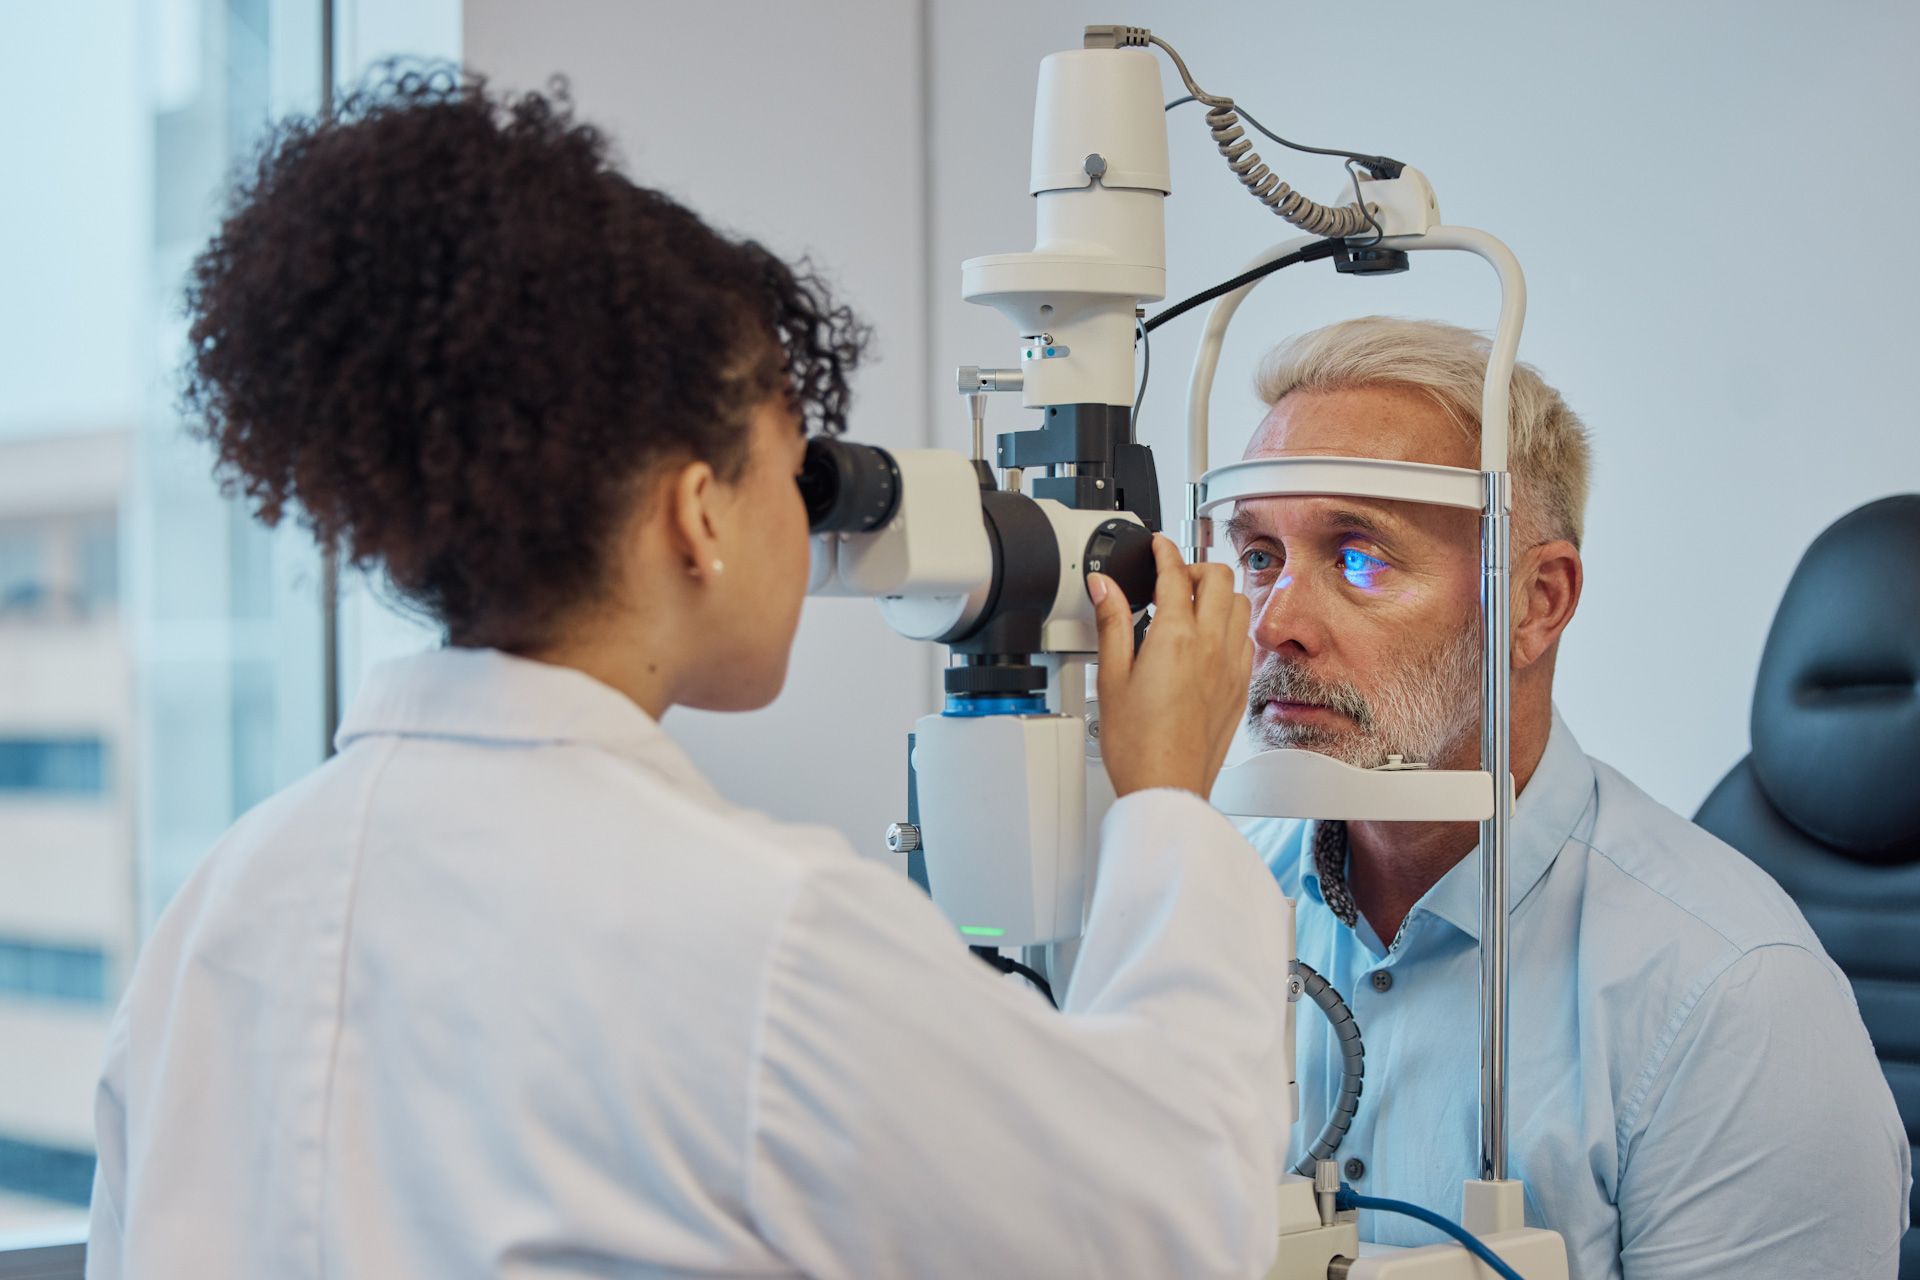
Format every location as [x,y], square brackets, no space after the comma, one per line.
[46,971]
[162,656]
[52,766]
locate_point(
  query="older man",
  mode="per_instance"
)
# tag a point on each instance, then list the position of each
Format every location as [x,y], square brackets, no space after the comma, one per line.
[1692,1093]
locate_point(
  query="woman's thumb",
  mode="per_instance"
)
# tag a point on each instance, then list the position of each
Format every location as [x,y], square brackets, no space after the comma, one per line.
[1114,616]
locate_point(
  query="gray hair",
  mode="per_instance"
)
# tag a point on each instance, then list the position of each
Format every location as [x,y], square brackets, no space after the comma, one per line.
[1548,452]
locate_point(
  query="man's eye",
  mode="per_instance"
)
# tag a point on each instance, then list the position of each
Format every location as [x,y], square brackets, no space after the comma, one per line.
[1257,561]
[1360,568]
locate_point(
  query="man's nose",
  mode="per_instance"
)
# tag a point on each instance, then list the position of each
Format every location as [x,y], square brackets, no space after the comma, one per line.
[1288,619]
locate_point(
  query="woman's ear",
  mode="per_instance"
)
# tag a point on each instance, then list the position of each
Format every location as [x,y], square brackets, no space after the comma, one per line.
[691,495]
[1549,594]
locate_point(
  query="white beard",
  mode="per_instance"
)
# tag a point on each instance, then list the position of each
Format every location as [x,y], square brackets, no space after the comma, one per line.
[1421,711]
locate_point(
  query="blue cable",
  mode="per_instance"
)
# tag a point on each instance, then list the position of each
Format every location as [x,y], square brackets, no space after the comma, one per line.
[1348,1198]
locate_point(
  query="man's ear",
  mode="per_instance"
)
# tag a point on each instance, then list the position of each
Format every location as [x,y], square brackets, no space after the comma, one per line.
[1550,582]
[689,494]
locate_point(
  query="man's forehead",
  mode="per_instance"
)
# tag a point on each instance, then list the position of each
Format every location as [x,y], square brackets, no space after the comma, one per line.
[1293,516]
[1401,424]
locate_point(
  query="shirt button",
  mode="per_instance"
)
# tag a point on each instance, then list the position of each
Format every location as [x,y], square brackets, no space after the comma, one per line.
[1382,980]
[1356,1169]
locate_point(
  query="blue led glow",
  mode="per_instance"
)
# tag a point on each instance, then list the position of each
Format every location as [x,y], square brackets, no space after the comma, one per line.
[992,705]
[1360,568]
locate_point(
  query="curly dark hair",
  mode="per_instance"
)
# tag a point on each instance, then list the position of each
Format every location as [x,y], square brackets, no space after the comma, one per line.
[447,332]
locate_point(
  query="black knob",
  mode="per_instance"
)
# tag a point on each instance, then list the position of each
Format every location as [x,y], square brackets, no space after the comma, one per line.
[1123,551]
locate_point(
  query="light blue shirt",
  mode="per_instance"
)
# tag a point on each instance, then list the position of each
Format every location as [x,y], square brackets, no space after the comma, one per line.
[1691,1091]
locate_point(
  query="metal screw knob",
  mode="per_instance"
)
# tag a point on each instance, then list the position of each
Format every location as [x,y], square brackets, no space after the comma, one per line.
[903,837]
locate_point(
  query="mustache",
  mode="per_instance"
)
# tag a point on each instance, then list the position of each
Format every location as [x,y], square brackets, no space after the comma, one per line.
[1281,681]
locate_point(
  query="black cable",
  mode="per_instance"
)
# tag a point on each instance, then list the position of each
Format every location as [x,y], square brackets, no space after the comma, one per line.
[1311,253]
[1146,367]
[1360,200]
[1007,965]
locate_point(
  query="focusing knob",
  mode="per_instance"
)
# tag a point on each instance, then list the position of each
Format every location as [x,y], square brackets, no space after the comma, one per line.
[1010,679]
[903,837]
[1123,551]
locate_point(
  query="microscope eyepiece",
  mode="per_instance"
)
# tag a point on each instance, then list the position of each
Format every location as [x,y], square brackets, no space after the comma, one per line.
[848,488]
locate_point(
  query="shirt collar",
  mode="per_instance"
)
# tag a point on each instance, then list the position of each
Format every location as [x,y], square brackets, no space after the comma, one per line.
[489,696]
[1557,796]
[1309,865]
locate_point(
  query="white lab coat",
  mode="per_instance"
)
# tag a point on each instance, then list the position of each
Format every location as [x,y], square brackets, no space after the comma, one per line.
[507,989]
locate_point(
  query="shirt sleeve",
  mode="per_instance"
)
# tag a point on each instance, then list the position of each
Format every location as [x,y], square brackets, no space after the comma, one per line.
[1770,1145]
[914,1115]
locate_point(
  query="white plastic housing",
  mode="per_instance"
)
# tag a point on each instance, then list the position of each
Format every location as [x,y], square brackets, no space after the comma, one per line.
[1403,206]
[824,566]
[1103,102]
[935,544]
[1100,241]
[1291,783]
[1003,819]
[1533,1253]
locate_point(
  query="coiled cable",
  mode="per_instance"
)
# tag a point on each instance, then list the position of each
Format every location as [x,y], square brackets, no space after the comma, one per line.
[1353,1065]
[1309,215]
[1223,119]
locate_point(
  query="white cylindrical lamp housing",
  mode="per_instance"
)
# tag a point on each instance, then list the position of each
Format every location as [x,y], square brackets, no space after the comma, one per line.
[1099,177]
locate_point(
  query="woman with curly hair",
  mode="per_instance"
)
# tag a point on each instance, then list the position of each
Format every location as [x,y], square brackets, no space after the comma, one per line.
[506,987]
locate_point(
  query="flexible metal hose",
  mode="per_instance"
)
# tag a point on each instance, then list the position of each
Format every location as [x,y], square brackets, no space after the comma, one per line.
[1309,215]
[1353,1064]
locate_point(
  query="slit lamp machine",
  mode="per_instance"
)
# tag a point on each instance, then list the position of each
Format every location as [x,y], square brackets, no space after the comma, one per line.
[993,566]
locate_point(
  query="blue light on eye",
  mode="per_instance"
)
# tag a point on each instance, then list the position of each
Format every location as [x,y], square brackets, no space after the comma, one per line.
[1360,568]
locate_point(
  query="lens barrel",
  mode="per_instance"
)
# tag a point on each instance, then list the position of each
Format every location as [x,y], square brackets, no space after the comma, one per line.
[848,488]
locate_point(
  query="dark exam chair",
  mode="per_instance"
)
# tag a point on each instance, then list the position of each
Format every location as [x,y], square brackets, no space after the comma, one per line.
[1828,802]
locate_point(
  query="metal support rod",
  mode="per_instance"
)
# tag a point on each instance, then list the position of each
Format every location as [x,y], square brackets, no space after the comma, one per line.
[1196,535]
[1496,754]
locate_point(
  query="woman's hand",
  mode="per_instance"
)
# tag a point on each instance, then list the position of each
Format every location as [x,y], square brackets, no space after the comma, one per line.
[1168,714]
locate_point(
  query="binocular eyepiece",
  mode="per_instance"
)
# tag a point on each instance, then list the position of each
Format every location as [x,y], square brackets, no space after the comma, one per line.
[848,488]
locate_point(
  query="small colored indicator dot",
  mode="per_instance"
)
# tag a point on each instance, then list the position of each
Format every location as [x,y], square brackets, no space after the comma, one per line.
[982,931]
[1029,353]
[1049,350]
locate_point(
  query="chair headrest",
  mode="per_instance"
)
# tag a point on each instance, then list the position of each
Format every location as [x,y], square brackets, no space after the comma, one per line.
[1836,711]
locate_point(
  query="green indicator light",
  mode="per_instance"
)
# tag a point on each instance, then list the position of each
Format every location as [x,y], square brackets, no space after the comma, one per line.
[981,931]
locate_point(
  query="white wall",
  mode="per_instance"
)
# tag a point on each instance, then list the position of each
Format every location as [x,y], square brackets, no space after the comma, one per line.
[800,125]
[1675,178]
